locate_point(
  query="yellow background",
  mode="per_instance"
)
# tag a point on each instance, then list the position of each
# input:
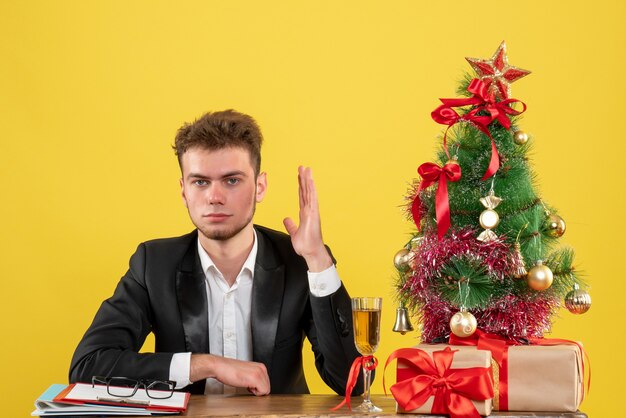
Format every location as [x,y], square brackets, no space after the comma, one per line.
[91,94]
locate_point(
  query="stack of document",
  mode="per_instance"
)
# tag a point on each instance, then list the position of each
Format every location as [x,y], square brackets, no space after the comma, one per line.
[83,399]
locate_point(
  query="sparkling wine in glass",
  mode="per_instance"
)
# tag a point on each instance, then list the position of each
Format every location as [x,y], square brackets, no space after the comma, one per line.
[366,322]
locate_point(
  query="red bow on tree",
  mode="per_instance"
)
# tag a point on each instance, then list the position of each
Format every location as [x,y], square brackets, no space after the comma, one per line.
[453,389]
[486,110]
[430,173]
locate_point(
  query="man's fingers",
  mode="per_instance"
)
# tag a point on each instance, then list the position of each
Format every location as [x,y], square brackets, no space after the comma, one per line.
[312,192]
[261,389]
[305,176]
[261,380]
[258,392]
[290,226]
[301,186]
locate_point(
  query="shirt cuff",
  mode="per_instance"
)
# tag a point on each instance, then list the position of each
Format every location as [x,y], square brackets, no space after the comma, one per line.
[180,368]
[325,282]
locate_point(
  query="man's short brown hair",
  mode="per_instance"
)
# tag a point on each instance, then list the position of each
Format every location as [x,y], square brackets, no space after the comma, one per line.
[218,130]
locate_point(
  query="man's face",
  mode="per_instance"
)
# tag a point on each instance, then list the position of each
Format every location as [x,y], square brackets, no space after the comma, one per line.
[220,191]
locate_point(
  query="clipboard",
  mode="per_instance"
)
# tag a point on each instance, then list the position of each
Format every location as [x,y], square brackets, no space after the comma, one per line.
[88,394]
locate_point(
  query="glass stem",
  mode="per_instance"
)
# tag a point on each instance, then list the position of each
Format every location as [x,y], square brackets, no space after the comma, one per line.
[367,376]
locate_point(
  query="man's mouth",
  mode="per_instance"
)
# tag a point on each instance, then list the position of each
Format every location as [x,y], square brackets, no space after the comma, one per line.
[216,217]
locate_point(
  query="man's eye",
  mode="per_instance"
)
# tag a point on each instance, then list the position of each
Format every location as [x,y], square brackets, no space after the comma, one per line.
[200,182]
[232,181]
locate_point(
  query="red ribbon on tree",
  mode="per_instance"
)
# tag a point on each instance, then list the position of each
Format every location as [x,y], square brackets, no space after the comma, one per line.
[453,389]
[367,362]
[486,110]
[431,173]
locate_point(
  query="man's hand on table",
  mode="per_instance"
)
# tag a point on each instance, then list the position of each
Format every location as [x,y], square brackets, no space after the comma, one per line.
[232,372]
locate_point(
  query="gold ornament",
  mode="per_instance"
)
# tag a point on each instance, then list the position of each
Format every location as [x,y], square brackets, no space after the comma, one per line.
[463,324]
[401,259]
[519,269]
[554,226]
[540,277]
[489,218]
[520,137]
[496,73]
[452,161]
[577,301]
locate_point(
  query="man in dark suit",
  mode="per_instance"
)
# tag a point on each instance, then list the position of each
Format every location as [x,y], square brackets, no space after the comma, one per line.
[230,303]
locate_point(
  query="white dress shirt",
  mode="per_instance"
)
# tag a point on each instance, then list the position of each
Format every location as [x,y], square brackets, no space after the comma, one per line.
[229,308]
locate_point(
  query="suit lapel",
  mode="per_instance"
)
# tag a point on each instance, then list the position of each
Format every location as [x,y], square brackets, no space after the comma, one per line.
[192,301]
[267,295]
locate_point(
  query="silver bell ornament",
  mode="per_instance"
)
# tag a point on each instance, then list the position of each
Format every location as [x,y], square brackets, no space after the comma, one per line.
[403,322]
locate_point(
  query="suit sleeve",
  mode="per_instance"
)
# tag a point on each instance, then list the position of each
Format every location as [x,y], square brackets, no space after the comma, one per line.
[332,339]
[111,344]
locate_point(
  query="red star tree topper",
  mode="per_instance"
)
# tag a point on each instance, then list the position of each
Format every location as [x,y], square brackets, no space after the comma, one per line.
[496,72]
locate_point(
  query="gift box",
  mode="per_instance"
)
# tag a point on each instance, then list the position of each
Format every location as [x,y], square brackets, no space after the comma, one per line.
[547,375]
[467,376]
[543,378]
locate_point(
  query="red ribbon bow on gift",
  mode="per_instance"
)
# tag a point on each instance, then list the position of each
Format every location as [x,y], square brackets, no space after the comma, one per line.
[430,173]
[491,110]
[499,347]
[367,362]
[453,389]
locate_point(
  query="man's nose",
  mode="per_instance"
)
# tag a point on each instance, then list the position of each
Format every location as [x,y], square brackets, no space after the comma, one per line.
[215,194]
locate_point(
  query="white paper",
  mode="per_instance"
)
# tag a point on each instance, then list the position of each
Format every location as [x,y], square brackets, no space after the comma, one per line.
[85,392]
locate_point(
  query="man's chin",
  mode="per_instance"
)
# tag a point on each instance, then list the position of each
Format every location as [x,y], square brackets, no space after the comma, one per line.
[220,235]
[223,234]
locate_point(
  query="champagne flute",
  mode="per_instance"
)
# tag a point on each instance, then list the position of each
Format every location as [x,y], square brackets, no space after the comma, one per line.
[366,322]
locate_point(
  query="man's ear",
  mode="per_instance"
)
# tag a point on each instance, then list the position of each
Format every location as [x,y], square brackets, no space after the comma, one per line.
[182,192]
[261,186]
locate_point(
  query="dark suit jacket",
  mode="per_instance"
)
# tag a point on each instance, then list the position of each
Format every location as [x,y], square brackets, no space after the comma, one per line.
[164,292]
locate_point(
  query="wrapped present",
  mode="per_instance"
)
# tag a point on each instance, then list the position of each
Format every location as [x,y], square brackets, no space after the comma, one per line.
[547,375]
[439,380]
[545,378]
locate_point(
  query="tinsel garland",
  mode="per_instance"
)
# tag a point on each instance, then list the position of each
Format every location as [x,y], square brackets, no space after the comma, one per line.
[511,316]
[432,253]
[516,316]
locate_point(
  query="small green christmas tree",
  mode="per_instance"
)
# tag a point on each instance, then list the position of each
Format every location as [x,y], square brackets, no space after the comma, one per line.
[485,252]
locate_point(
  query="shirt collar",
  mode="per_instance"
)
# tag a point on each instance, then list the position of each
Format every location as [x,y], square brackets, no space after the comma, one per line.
[249,264]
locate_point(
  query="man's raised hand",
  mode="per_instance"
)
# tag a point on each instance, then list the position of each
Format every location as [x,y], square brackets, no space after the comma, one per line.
[307,237]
